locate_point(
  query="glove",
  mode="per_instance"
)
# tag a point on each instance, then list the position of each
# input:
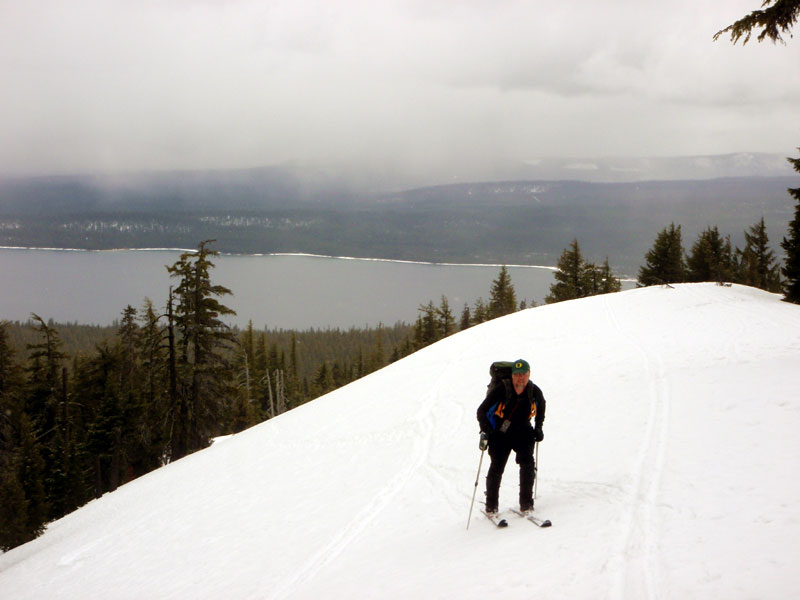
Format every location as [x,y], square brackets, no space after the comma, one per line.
[484,443]
[538,434]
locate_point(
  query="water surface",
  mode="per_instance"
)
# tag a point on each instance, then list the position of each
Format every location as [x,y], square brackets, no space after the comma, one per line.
[276,291]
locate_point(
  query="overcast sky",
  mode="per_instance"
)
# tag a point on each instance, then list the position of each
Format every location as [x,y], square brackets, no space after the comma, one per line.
[105,85]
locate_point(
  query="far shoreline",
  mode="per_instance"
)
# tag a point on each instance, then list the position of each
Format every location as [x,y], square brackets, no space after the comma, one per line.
[298,254]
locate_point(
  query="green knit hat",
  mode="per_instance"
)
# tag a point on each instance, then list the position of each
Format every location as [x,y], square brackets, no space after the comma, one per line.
[520,366]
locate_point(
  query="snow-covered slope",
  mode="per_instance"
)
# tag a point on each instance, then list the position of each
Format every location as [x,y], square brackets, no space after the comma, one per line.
[669,469]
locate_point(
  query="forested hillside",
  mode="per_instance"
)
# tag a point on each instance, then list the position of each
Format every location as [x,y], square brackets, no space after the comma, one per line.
[314,345]
[515,222]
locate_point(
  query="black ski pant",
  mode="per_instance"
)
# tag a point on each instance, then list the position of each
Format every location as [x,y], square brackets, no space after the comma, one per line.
[500,447]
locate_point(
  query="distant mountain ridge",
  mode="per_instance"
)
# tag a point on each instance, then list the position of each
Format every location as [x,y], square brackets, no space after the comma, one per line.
[280,186]
[291,209]
[622,169]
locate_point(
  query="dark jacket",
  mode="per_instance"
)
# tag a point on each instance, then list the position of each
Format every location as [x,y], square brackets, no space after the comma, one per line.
[516,408]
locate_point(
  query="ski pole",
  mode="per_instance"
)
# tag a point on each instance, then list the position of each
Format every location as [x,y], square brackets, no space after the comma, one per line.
[536,470]
[477,477]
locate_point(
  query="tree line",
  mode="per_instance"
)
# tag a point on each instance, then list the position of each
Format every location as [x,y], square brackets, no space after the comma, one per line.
[714,258]
[71,432]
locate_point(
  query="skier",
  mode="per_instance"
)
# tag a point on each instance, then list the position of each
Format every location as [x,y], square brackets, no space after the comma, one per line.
[511,407]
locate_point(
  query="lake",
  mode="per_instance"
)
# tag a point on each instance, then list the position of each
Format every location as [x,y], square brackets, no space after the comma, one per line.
[274,291]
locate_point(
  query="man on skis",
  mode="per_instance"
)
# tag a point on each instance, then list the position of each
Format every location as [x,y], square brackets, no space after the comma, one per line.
[505,421]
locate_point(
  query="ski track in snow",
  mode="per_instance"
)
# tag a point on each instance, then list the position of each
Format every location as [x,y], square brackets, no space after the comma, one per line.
[634,564]
[424,430]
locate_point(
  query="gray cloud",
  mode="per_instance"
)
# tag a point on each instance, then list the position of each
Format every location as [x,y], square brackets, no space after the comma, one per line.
[104,85]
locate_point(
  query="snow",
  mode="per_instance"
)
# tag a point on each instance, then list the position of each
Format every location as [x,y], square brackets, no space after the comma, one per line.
[669,470]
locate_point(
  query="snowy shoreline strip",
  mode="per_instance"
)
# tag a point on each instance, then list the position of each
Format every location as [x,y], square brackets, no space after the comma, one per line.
[298,254]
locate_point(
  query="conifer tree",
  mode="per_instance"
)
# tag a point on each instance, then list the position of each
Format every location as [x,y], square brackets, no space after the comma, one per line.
[101,390]
[664,262]
[378,358]
[711,258]
[600,280]
[480,313]
[427,329]
[23,508]
[466,319]
[578,278]
[31,470]
[242,410]
[502,297]
[323,380]
[293,389]
[13,504]
[756,264]
[203,368]
[609,284]
[570,276]
[337,374]
[129,341]
[775,17]
[133,435]
[154,387]
[791,245]
[46,407]
[44,371]
[446,320]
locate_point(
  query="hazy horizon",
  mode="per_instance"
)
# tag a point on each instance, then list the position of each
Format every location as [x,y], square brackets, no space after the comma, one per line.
[429,92]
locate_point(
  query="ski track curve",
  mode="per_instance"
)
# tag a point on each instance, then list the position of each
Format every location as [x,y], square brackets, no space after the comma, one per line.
[364,517]
[446,478]
[635,562]
[750,319]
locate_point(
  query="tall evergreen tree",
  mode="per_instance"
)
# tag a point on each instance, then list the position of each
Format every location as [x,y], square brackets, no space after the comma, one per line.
[711,258]
[243,413]
[664,262]
[502,297]
[756,264]
[100,386]
[466,318]
[323,380]
[31,470]
[23,505]
[13,504]
[155,386]
[446,320]
[600,280]
[480,314]
[46,405]
[427,329]
[578,278]
[294,392]
[204,371]
[133,437]
[570,277]
[791,245]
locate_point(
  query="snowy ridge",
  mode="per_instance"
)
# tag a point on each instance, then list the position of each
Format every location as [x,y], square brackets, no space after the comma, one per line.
[668,469]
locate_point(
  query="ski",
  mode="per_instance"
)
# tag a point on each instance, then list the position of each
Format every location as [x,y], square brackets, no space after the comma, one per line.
[533,519]
[496,519]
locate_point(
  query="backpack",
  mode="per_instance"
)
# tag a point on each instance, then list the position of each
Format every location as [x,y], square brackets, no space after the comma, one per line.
[500,373]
